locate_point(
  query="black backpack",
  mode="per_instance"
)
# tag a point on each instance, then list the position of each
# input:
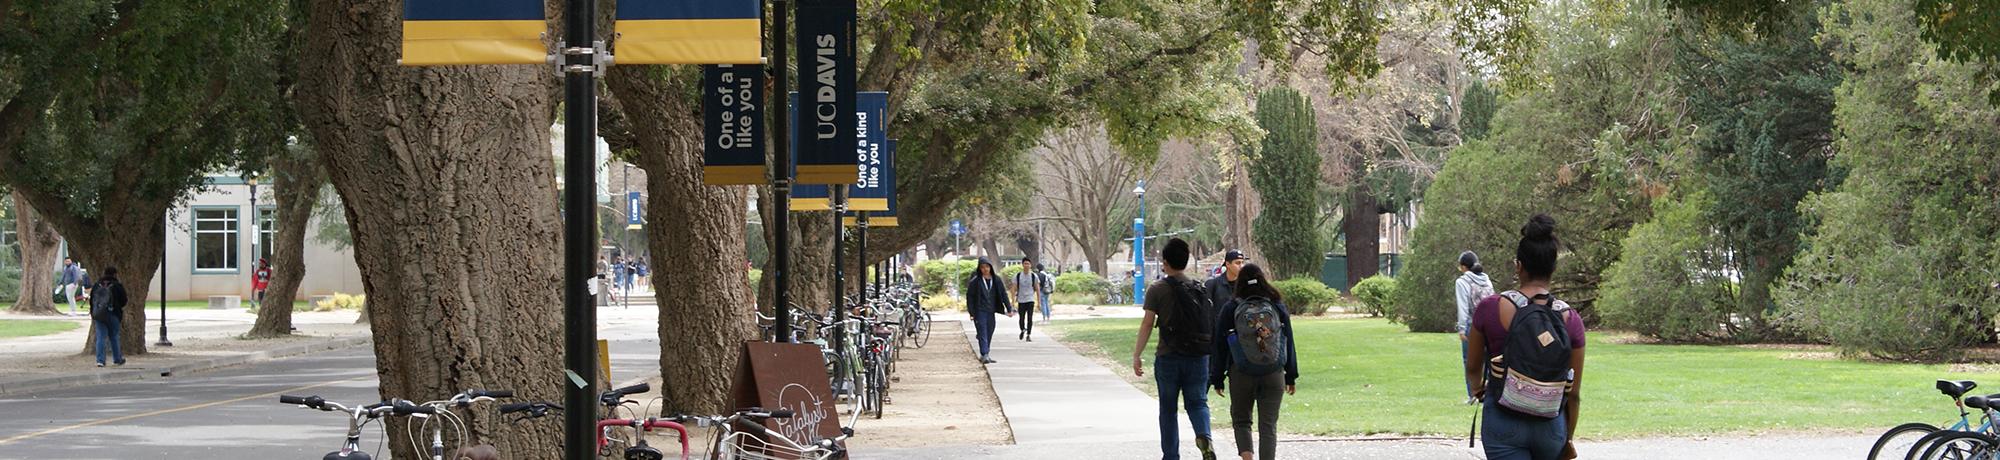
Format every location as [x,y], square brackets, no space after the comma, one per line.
[1535,359]
[101,305]
[1191,326]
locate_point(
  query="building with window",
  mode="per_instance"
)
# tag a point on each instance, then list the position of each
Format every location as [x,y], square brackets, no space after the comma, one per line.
[215,239]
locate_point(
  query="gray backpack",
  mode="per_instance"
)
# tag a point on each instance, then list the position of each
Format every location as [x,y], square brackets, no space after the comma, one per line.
[1259,345]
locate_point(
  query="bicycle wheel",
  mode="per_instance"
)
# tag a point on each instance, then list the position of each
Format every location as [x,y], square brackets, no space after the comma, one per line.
[881,390]
[1898,442]
[1958,445]
[924,330]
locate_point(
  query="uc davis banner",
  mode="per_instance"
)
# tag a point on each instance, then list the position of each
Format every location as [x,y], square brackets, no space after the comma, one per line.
[887,189]
[690,32]
[732,125]
[467,32]
[825,36]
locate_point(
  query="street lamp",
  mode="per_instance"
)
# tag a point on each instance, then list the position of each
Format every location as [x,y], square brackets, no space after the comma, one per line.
[1139,246]
[256,239]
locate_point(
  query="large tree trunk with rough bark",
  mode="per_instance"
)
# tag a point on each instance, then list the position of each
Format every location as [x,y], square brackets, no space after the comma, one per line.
[695,234]
[811,277]
[39,245]
[1363,226]
[449,184]
[129,241]
[296,186]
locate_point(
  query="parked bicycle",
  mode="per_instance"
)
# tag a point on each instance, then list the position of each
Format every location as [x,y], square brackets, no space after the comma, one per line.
[743,436]
[1909,439]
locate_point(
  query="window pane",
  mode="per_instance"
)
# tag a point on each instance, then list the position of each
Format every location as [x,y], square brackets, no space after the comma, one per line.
[215,239]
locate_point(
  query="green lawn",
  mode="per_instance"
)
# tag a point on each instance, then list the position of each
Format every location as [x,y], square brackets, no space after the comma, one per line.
[1368,376]
[11,328]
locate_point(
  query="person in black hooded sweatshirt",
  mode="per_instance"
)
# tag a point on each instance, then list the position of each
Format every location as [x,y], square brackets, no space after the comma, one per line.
[986,294]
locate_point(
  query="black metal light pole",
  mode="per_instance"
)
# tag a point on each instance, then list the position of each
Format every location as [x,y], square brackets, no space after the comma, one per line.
[861,252]
[163,283]
[781,171]
[839,198]
[578,57]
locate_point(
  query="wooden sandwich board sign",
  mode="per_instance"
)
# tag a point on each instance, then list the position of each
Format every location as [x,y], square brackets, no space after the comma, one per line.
[790,376]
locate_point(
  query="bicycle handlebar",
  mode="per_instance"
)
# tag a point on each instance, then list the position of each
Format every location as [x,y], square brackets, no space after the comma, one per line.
[402,407]
[496,394]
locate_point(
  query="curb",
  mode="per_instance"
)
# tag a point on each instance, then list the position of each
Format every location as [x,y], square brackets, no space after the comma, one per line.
[190,367]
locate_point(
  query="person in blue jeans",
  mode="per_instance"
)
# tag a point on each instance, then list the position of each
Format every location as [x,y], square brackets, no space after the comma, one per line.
[1509,435]
[1180,367]
[107,311]
[985,295]
[1048,287]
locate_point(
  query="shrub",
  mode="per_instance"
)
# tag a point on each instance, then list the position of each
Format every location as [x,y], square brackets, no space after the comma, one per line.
[756,276]
[1306,296]
[1671,282]
[935,275]
[1006,272]
[1374,293]
[1478,221]
[1082,283]
[342,302]
[943,303]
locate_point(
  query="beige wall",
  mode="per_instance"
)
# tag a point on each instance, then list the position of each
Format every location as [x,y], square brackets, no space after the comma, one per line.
[328,271]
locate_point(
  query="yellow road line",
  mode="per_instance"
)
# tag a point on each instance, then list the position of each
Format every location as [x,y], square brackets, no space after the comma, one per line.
[173,410]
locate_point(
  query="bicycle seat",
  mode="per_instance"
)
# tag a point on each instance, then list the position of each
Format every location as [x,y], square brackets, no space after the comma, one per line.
[1976,402]
[1955,389]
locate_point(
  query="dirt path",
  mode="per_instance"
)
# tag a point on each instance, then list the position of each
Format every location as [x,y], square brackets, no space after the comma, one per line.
[942,397]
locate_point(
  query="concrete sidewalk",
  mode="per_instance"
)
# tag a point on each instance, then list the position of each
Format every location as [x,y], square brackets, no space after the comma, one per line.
[203,340]
[1060,404]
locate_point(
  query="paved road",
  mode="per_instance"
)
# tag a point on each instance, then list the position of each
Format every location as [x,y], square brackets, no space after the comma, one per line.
[233,413]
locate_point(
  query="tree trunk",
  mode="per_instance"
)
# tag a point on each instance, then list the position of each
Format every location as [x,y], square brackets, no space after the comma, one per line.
[449,185]
[130,242]
[296,188]
[991,245]
[1363,227]
[39,244]
[811,277]
[695,233]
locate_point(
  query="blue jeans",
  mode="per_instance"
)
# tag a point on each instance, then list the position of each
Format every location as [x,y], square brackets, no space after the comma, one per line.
[982,322]
[1512,436]
[107,336]
[1045,306]
[1184,378]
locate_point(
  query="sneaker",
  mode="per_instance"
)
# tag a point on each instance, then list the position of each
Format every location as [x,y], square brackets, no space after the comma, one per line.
[100,364]
[118,364]
[1207,450]
[1031,338]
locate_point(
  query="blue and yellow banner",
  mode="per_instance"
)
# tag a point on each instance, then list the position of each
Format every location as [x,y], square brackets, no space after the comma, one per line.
[872,127]
[471,32]
[886,178]
[690,32]
[732,125]
[825,37]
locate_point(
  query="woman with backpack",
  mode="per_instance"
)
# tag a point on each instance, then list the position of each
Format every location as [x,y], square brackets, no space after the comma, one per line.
[1526,357]
[1255,355]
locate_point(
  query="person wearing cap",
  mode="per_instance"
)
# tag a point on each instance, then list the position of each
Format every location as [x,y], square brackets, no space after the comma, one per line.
[1221,288]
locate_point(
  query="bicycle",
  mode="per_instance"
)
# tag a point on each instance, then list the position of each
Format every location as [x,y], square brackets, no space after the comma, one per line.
[1965,445]
[358,418]
[442,410]
[743,436]
[1891,440]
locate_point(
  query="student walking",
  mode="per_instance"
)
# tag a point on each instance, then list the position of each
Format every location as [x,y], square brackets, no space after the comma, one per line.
[260,280]
[984,296]
[1180,362]
[1257,358]
[1222,287]
[1472,286]
[107,310]
[1027,285]
[71,273]
[1048,286]
[1526,360]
